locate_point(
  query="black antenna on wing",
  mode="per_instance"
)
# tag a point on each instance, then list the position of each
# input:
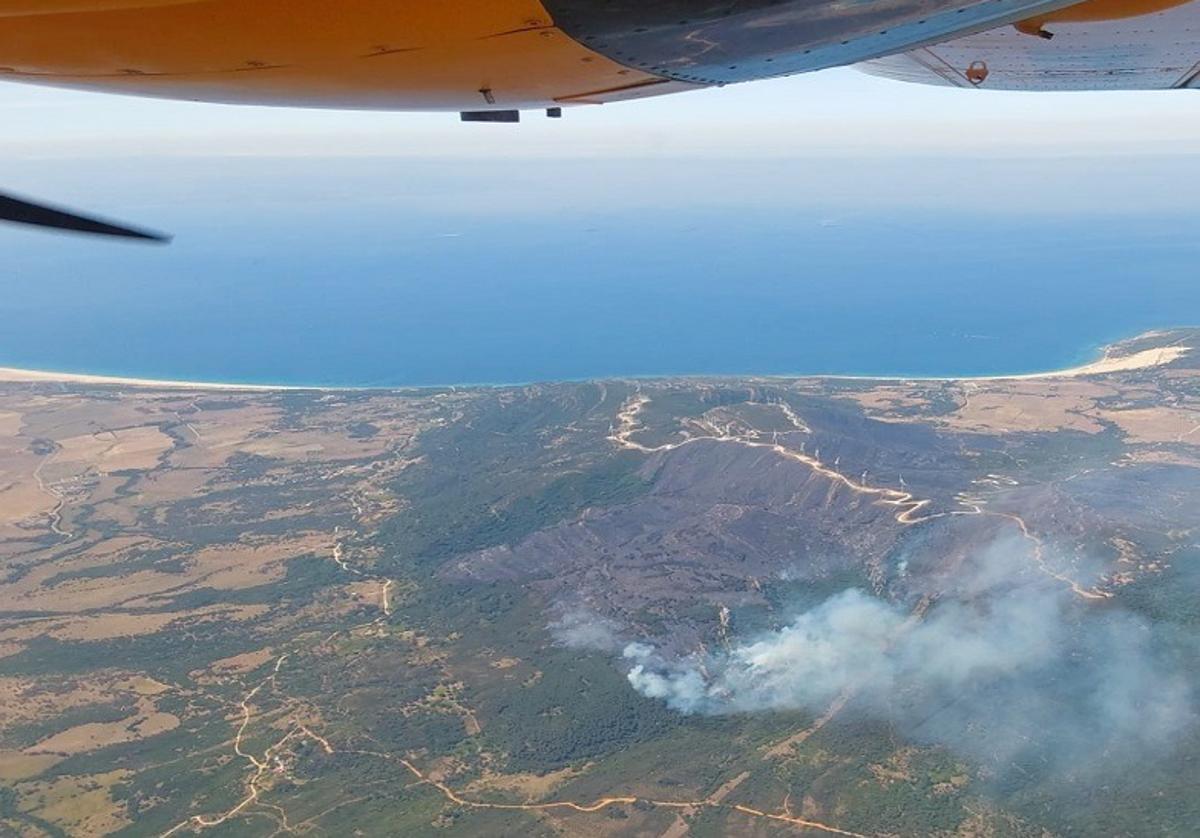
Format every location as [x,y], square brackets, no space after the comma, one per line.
[25,212]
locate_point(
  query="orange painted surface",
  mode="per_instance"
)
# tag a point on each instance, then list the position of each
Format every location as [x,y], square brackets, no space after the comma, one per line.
[1099,10]
[386,54]
[43,7]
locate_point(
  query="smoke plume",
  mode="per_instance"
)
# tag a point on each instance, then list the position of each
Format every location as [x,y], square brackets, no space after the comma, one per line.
[998,672]
[580,628]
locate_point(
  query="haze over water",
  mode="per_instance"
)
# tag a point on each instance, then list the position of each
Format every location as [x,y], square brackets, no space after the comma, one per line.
[384,272]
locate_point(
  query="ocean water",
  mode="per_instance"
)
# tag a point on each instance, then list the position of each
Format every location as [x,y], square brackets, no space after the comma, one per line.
[390,273]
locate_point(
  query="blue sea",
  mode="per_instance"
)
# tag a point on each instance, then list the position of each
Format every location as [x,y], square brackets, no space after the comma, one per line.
[398,272]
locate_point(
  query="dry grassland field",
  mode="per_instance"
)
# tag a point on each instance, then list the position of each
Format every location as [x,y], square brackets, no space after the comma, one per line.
[676,607]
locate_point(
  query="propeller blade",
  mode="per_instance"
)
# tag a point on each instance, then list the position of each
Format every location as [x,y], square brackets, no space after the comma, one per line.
[23,212]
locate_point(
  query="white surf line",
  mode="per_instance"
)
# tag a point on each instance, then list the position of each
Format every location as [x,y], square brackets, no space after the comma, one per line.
[1108,363]
[12,375]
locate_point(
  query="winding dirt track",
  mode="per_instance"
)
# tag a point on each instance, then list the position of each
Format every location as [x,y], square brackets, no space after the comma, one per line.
[298,730]
[56,518]
[908,506]
[605,802]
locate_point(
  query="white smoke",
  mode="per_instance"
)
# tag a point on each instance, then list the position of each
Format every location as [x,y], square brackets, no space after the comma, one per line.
[998,672]
[581,628]
[843,641]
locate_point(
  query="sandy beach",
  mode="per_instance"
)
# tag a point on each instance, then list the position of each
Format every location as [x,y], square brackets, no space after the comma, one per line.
[1109,363]
[1146,359]
[20,376]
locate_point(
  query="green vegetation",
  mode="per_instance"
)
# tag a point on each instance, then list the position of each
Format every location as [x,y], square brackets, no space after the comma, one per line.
[580,709]
[162,560]
[1169,596]
[362,688]
[444,526]
[9,811]
[25,735]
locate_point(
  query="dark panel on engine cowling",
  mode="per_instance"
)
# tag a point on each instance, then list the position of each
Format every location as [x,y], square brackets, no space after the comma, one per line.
[722,41]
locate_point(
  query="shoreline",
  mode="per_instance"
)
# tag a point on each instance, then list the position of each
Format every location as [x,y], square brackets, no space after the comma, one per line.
[1106,363]
[17,375]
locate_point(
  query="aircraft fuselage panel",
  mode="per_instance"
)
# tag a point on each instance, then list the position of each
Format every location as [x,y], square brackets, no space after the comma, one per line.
[464,55]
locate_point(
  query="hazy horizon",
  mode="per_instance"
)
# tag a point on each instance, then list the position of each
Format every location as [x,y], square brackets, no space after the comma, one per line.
[832,223]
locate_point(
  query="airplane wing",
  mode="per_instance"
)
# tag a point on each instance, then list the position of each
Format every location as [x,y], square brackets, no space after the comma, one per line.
[488,59]
[473,56]
[1080,48]
[481,56]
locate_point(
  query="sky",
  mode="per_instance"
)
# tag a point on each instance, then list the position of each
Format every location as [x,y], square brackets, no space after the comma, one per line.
[837,193]
[895,145]
[840,112]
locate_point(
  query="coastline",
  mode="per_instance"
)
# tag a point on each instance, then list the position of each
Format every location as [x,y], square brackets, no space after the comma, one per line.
[1108,362]
[1158,356]
[14,375]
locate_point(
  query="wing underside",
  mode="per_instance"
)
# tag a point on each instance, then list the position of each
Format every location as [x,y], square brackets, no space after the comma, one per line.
[1155,51]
